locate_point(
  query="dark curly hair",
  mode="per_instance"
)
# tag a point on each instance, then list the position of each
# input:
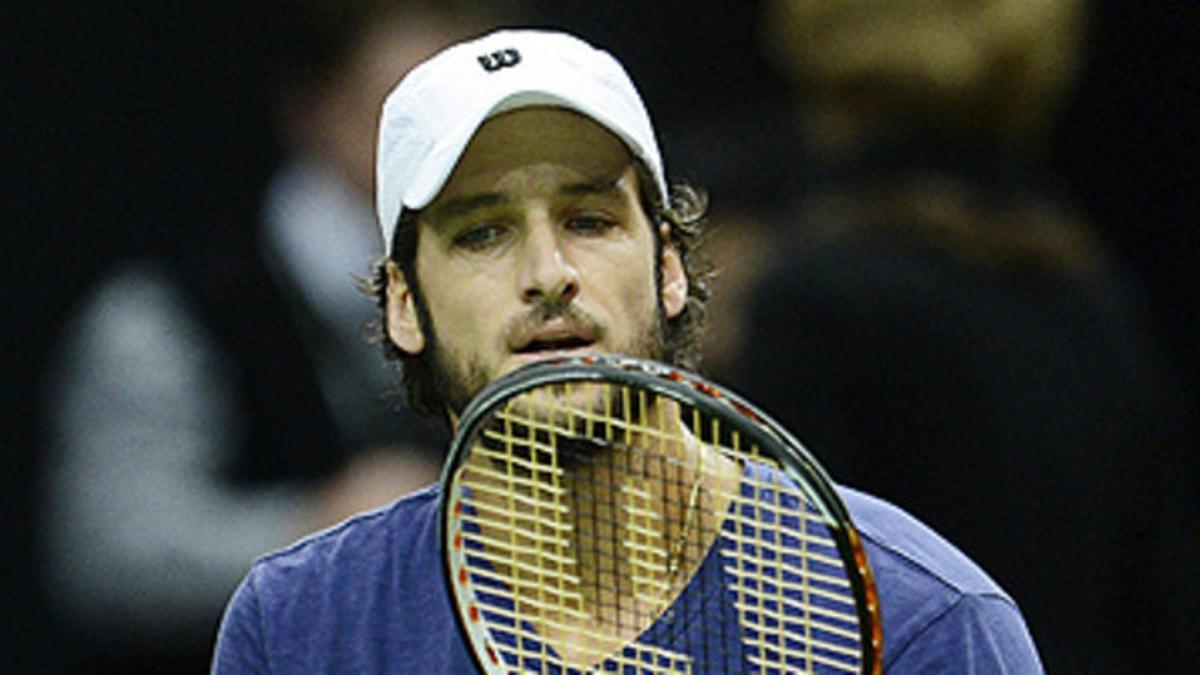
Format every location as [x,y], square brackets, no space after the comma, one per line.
[685,221]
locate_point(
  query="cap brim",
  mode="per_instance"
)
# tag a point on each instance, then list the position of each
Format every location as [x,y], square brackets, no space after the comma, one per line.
[439,164]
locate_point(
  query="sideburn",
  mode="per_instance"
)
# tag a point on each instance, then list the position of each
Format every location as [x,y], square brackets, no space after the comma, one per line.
[439,387]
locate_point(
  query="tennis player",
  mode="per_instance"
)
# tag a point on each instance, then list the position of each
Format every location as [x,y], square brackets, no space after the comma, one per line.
[526,214]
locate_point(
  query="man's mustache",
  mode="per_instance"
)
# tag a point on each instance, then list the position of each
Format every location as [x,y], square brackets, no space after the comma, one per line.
[552,309]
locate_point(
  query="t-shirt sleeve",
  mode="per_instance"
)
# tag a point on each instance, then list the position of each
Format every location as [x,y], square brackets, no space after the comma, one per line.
[977,634]
[240,640]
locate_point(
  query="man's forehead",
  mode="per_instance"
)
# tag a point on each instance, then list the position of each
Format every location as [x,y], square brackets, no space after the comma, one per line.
[538,144]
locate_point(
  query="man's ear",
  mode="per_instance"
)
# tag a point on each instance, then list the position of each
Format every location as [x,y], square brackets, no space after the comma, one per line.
[404,326]
[674,277]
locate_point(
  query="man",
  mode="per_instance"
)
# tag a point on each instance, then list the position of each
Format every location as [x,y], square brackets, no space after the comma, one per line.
[526,214]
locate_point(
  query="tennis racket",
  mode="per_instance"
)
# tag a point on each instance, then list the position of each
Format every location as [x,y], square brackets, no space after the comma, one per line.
[610,514]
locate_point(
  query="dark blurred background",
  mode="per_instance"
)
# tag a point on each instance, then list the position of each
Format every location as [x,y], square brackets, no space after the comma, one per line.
[128,127]
[136,128]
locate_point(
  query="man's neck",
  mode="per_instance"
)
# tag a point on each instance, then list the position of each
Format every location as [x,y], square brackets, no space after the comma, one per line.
[645,512]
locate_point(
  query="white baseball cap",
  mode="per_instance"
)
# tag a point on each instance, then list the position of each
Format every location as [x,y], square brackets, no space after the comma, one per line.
[430,117]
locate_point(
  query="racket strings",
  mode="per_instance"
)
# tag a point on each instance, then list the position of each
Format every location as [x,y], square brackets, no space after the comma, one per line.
[792,597]
[582,511]
[625,526]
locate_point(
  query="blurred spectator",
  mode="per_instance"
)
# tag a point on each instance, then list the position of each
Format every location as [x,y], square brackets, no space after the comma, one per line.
[943,311]
[103,109]
[220,400]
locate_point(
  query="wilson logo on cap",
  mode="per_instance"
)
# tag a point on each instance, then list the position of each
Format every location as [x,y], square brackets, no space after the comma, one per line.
[504,58]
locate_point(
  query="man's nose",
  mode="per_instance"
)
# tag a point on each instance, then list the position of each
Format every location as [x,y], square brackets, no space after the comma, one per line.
[547,274]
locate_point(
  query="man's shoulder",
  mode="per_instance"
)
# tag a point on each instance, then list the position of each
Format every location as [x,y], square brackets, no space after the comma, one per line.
[404,531]
[896,539]
[363,596]
[940,609]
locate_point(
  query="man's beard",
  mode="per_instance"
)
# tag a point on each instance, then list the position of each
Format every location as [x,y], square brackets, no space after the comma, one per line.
[459,379]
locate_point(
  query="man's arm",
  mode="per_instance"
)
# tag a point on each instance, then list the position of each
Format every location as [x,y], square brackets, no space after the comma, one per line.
[977,634]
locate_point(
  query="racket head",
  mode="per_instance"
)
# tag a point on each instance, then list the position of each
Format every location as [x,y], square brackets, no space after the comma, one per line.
[515,521]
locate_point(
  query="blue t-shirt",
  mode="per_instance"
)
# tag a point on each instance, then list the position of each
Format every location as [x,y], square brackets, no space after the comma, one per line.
[368,597]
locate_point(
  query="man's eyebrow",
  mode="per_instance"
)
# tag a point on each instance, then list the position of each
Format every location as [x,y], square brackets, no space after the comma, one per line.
[601,187]
[458,207]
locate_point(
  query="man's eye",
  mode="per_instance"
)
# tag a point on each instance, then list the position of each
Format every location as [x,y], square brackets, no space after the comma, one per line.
[590,225]
[479,237]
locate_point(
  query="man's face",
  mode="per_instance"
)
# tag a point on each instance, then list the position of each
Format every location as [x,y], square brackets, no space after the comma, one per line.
[537,246]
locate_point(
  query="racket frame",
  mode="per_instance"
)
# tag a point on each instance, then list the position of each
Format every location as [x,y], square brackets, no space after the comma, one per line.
[690,389]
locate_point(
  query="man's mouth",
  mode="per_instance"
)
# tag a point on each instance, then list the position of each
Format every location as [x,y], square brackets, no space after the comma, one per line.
[567,343]
[554,336]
